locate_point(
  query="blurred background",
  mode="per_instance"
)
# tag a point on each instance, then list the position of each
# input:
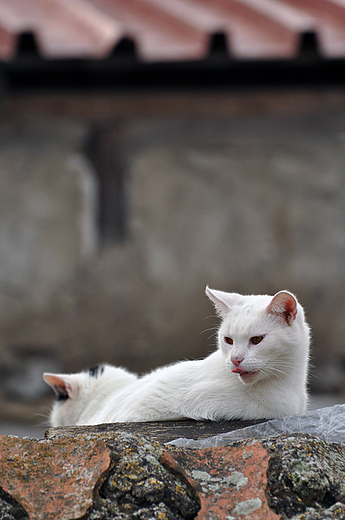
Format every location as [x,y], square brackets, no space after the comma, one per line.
[149,148]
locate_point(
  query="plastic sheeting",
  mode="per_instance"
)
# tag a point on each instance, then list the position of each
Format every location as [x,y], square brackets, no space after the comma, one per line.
[326,423]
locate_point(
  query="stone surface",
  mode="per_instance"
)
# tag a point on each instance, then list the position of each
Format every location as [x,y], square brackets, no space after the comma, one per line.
[52,480]
[138,485]
[230,483]
[161,431]
[306,476]
[129,477]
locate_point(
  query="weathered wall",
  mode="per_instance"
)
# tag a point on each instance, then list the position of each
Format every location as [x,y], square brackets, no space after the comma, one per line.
[252,203]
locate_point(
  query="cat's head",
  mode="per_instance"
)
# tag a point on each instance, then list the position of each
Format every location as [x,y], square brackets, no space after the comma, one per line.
[80,393]
[262,337]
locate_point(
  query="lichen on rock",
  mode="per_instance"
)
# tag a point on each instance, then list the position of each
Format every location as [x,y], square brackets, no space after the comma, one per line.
[139,486]
[306,477]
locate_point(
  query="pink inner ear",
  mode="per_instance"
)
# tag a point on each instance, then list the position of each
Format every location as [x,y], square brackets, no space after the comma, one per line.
[283,304]
[54,380]
[61,383]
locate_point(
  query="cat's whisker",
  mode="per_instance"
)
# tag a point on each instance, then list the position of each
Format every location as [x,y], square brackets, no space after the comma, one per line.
[41,414]
[278,370]
[214,334]
[270,368]
[278,367]
[44,412]
[286,364]
[44,416]
[269,374]
[266,374]
[314,376]
[214,329]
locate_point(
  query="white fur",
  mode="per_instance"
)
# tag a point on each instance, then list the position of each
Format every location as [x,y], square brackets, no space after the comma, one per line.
[207,388]
[86,393]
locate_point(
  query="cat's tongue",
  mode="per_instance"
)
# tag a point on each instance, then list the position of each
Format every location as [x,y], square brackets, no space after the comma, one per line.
[243,373]
[239,370]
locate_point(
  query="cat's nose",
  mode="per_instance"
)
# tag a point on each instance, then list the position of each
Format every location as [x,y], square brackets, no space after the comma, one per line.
[236,360]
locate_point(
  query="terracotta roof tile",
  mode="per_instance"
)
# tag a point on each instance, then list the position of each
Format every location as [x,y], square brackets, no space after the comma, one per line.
[172,30]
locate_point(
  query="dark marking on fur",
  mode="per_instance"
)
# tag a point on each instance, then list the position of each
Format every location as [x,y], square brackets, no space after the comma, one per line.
[96,371]
[61,394]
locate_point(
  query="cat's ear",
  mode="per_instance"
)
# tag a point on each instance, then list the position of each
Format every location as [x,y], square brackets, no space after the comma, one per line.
[64,385]
[283,304]
[222,301]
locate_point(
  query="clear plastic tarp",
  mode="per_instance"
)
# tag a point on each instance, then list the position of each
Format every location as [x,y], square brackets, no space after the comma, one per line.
[326,423]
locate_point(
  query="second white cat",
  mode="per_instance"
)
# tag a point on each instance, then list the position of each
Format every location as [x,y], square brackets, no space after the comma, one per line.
[259,371]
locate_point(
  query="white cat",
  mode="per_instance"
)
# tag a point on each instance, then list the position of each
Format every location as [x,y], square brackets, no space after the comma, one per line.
[79,396]
[259,371]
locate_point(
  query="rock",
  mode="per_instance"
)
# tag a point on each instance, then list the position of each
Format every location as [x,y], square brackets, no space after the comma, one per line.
[100,474]
[119,475]
[160,431]
[230,483]
[45,477]
[140,486]
[10,509]
[306,475]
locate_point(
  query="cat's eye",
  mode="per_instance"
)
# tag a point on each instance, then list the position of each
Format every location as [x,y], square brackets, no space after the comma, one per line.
[255,340]
[228,340]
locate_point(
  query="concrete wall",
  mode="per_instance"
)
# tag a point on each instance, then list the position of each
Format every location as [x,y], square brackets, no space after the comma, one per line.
[253,204]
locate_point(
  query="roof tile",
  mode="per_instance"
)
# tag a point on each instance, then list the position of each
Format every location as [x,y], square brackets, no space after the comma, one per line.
[172,30]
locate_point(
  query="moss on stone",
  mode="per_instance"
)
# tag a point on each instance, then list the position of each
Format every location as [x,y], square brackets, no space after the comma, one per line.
[305,476]
[139,487]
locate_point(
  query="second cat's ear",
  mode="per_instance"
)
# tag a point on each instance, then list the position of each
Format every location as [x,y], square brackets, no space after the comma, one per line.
[222,301]
[284,305]
[64,385]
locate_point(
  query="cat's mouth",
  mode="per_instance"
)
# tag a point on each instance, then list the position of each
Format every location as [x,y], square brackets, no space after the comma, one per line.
[243,373]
